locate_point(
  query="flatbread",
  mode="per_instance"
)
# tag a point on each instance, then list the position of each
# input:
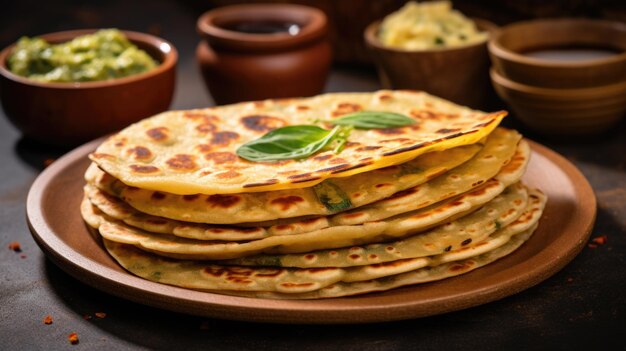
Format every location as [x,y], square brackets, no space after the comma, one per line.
[193,152]
[355,191]
[498,212]
[418,276]
[474,227]
[422,218]
[419,220]
[500,149]
[205,276]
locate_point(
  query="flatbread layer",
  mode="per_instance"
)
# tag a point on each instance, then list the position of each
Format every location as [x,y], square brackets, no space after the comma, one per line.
[499,150]
[194,152]
[497,213]
[328,197]
[453,234]
[418,276]
[421,219]
[205,276]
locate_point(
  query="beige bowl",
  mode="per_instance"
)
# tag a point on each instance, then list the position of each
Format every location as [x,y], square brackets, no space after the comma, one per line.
[583,111]
[459,74]
[507,46]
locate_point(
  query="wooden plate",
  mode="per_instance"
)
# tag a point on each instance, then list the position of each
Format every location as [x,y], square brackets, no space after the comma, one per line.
[55,222]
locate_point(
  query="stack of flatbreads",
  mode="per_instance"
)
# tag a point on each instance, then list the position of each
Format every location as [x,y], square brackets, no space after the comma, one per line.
[175,204]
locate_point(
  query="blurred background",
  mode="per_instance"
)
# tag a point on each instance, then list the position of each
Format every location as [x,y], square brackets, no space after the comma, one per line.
[348,19]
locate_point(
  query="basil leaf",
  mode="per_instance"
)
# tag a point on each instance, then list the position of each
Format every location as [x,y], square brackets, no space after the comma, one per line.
[373,120]
[287,143]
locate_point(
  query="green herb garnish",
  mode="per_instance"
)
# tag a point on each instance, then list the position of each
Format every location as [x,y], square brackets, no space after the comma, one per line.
[332,196]
[273,261]
[407,168]
[301,141]
[373,120]
[288,143]
[340,139]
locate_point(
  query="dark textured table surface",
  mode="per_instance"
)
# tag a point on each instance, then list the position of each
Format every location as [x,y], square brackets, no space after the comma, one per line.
[582,306]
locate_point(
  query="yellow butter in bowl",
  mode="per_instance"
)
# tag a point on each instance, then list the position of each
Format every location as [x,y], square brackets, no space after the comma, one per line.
[430,25]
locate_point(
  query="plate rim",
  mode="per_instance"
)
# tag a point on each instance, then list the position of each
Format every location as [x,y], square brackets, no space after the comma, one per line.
[230,307]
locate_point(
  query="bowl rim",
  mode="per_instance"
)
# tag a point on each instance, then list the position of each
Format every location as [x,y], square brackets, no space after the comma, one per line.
[501,52]
[315,27]
[169,52]
[591,92]
[487,26]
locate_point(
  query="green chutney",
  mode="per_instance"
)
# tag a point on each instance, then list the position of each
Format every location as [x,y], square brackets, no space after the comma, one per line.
[106,54]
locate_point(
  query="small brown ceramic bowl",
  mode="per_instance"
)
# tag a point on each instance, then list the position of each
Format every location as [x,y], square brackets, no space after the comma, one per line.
[262,51]
[581,111]
[508,46]
[71,113]
[459,74]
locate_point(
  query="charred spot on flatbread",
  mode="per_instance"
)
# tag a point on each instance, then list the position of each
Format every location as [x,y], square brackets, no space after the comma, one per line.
[206,127]
[182,163]
[221,157]
[224,201]
[262,123]
[140,153]
[344,108]
[224,138]
[285,203]
[158,133]
[144,169]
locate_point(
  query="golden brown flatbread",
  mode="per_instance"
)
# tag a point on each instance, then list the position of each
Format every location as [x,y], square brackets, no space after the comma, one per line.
[194,152]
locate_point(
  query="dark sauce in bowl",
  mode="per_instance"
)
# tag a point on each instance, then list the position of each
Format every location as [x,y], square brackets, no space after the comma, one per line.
[571,53]
[264,27]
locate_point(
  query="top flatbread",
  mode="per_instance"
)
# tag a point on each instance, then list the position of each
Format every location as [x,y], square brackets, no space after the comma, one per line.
[193,152]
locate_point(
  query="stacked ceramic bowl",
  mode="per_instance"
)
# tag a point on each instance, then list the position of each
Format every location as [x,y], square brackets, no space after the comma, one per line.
[562,76]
